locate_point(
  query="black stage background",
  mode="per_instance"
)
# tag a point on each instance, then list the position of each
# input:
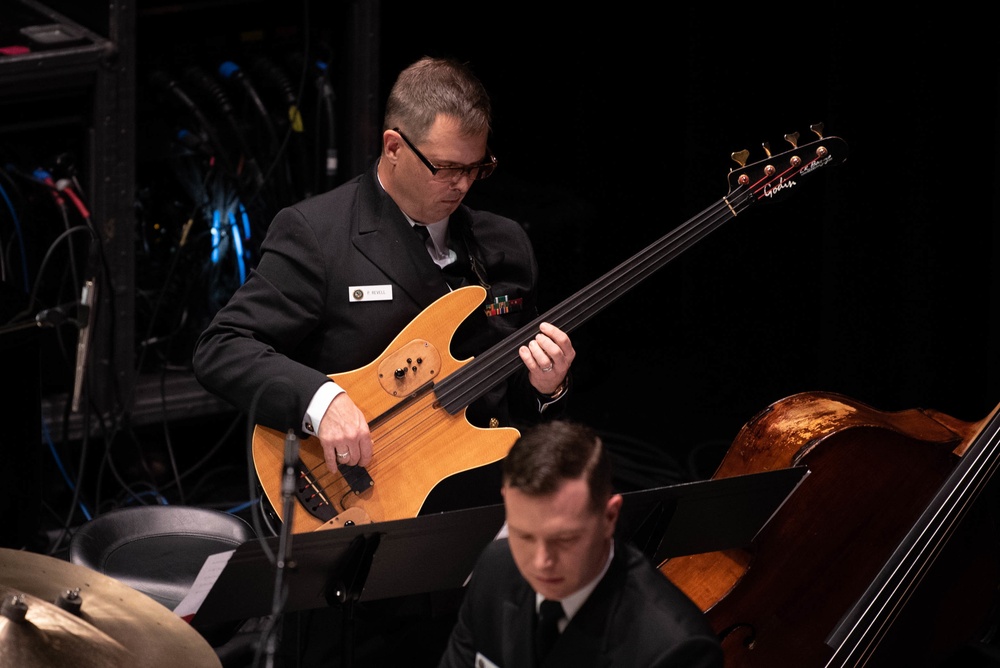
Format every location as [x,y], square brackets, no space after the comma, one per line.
[876,278]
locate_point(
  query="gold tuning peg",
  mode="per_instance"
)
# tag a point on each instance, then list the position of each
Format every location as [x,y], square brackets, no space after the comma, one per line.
[793,139]
[767,148]
[818,129]
[741,157]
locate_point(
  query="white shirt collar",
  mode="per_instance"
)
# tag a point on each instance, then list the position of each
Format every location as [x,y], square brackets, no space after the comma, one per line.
[440,253]
[572,603]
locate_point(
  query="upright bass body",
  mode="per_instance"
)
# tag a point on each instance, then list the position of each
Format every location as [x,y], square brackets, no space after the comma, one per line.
[792,597]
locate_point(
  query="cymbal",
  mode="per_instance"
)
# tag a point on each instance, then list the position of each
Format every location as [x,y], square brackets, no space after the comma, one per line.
[115,620]
[34,633]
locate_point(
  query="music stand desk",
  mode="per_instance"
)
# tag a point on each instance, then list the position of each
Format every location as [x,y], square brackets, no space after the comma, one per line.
[438,552]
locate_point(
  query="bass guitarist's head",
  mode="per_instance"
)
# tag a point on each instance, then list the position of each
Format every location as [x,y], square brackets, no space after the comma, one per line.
[434,138]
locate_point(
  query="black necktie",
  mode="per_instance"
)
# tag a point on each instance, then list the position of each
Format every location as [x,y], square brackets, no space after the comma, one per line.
[549,614]
[454,273]
[422,232]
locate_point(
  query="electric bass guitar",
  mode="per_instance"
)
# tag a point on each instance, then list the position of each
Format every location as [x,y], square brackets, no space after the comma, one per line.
[415,394]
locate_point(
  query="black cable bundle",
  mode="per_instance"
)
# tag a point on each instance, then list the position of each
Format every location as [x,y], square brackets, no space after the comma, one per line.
[280,89]
[162,80]
[327,103]
[210,91]
[188,279]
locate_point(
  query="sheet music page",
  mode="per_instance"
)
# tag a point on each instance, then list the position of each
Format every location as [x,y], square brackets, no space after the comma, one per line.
[207,577]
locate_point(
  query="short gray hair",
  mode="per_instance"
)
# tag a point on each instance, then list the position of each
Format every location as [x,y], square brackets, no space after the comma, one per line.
[433,86]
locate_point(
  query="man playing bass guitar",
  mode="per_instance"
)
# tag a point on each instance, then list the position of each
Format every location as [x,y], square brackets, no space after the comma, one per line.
[343,273]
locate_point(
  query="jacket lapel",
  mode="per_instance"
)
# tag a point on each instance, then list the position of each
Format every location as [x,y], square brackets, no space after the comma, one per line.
[585,637]
[383,235]
[518,627]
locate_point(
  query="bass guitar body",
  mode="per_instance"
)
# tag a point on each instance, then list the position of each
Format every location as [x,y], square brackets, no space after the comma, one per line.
[792,597]
[416,442]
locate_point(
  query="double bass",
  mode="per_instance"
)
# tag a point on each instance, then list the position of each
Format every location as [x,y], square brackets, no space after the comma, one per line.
[881,557]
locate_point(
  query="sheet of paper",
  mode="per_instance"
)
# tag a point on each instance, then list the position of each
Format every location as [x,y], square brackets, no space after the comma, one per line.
[207,577]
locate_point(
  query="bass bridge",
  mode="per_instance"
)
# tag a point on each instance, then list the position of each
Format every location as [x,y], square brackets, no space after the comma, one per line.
[312,497]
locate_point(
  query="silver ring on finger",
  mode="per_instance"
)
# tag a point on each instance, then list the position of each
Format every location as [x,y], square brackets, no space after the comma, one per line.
[343,455]
[546,369]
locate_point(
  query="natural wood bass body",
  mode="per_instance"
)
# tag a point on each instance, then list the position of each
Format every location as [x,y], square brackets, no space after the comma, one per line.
[416,442]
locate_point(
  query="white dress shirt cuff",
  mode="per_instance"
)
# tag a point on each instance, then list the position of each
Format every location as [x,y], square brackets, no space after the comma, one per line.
[317,407]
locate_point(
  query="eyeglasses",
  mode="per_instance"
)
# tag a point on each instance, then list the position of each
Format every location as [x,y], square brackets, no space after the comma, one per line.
[476,172]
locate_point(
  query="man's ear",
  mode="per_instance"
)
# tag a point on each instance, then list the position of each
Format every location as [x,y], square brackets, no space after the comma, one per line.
[613,508]
[391,144]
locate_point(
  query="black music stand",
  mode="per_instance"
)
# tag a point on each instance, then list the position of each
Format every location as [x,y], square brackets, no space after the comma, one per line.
[705,516]
[438,552]
[354,563]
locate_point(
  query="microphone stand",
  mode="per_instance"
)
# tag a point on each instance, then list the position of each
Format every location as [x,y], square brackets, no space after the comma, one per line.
[283,560]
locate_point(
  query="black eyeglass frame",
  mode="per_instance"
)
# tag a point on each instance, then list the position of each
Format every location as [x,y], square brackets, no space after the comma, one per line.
[485,168]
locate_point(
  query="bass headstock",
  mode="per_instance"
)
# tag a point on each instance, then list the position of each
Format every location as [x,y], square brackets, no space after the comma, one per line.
[776,175]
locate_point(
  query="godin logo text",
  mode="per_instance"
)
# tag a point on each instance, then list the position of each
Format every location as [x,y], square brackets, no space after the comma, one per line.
[772,190]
